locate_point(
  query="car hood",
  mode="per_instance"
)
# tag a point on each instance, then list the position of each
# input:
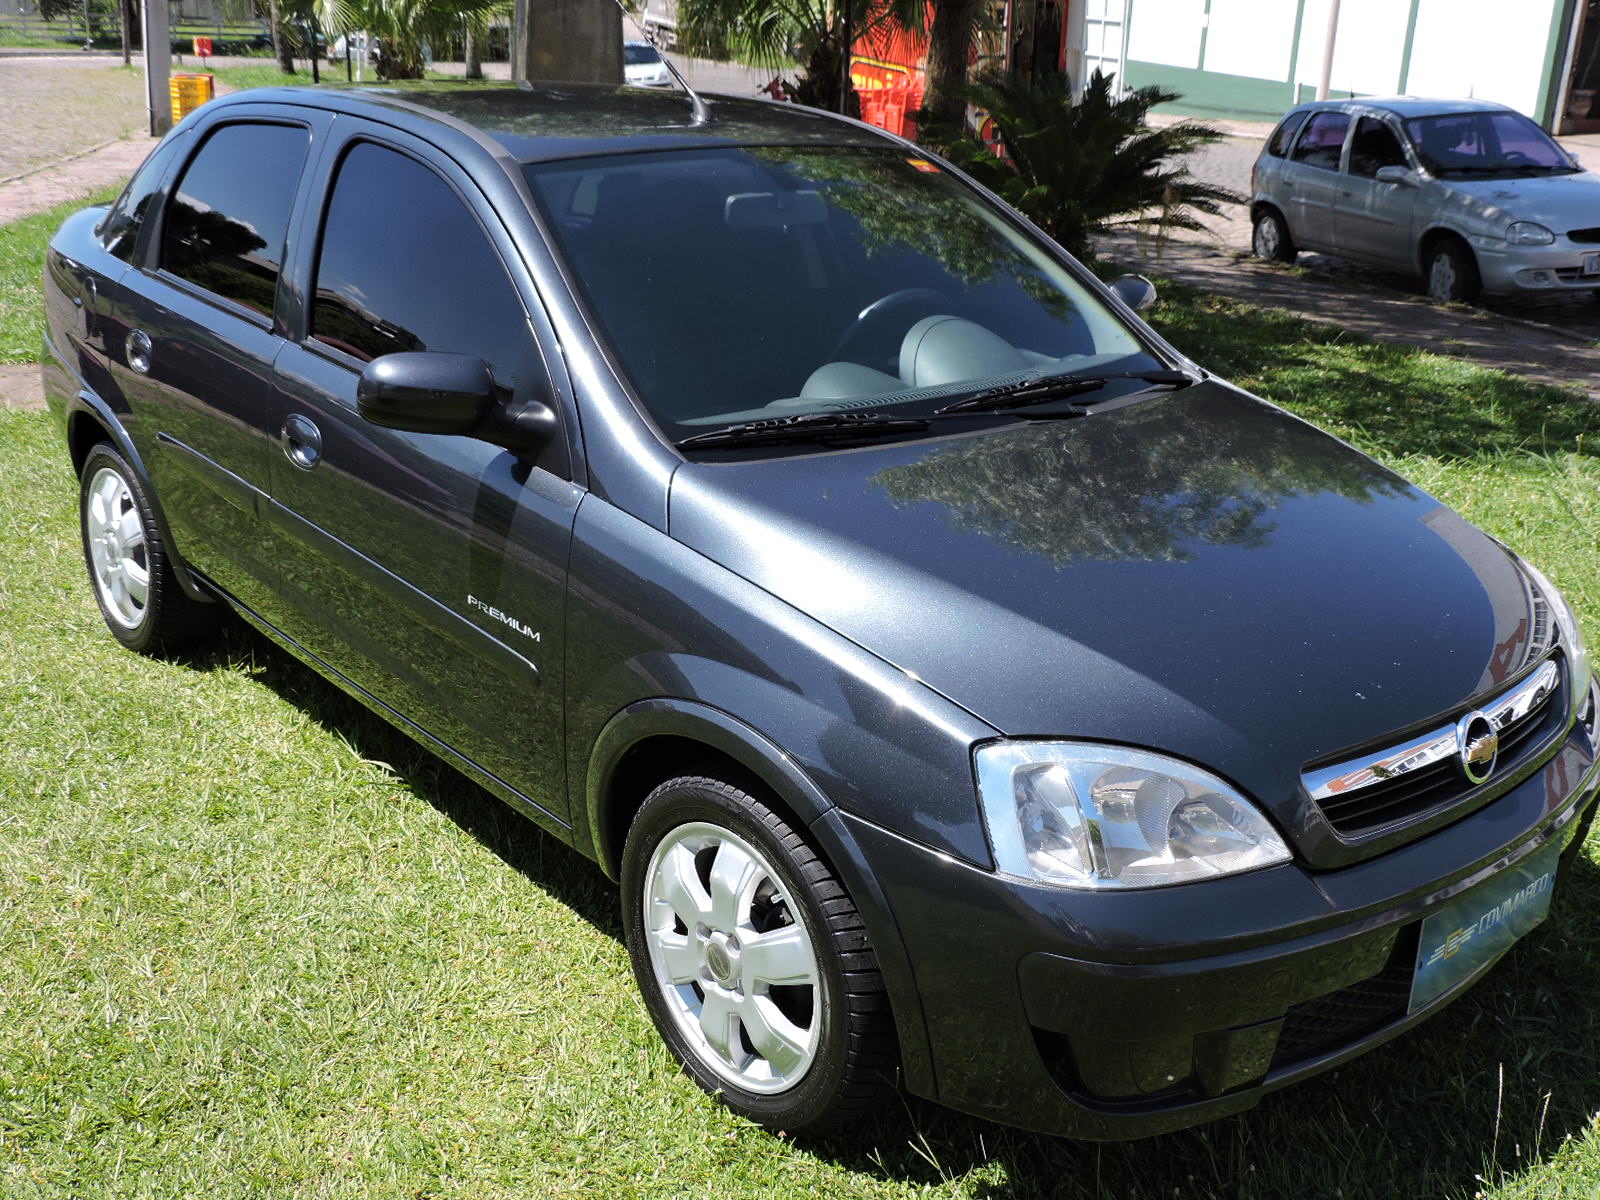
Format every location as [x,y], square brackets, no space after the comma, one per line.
[1560,202]
[1200,573]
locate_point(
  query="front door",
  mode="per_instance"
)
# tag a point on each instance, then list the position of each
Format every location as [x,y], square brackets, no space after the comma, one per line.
[1372,220]
[430,570]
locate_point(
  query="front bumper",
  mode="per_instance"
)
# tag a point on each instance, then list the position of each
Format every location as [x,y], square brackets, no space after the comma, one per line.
[1119,1016]
[1507,270]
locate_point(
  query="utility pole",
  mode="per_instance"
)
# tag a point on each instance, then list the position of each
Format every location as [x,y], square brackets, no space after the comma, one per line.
[1327,50]
[158,66]
[567,41]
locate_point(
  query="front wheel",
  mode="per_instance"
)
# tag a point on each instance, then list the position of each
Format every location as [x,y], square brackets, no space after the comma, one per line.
[143,604]
[1452,273]
[753,962]
[1269,237]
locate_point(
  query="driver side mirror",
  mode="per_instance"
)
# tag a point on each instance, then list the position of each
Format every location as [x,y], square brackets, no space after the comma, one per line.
[1404,176]
[423,392]
[1137,292]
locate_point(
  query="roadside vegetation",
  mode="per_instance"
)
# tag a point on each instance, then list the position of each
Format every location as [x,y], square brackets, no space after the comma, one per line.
[253,942]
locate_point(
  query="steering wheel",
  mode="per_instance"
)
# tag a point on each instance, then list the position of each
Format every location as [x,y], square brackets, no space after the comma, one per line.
[872,322]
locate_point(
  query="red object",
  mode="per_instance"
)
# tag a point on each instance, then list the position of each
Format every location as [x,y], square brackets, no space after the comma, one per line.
[202,47]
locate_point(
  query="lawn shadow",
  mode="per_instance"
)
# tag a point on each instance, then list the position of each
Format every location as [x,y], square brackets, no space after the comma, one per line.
[1395,398]
[540,857]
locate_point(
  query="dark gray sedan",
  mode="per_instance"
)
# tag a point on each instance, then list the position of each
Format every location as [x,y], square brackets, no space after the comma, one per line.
[966,689]
[1473,197]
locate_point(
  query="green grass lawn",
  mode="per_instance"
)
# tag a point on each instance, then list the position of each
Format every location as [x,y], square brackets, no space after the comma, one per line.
[255,943]
[267,74]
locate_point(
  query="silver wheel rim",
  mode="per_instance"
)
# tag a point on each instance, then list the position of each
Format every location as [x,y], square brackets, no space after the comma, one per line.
[118,554]
[1442,278]
[732,958]
[1266,238]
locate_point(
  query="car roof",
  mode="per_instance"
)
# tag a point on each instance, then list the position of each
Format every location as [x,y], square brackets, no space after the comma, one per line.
[1407,107]
[545,122]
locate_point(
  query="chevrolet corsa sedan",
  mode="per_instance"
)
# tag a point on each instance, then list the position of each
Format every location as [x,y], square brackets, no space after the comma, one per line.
[968,690]
[1473,197]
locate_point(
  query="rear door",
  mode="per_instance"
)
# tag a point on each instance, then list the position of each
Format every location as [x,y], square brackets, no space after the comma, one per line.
[1310,179]
[195,339]
[428,569]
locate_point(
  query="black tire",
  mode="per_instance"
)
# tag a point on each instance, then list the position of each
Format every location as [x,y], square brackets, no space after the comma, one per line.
[1452,273]
[139,595]
[1269,237]
[683,830]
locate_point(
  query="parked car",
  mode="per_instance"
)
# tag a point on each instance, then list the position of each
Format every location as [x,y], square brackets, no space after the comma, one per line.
[967,688]
[1473,197]
[642,65]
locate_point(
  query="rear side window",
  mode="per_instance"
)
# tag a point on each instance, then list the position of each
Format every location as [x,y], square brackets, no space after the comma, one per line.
[119,233]
[1374,145]
[417,275]
[228,219]
[1322,140]
[1278,143]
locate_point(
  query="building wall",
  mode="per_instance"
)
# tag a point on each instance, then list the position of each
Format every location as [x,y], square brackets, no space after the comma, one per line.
[1256,58]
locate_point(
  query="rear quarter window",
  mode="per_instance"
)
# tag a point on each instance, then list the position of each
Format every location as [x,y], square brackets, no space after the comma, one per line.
[1278,143]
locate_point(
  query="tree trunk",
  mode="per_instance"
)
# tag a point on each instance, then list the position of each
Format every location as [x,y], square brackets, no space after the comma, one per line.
[568,41]
[949,48]
[474,64]
[280,44]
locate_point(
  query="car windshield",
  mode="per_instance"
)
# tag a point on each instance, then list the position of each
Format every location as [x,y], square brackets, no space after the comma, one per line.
[1486,145]
[759,282]
[637,54]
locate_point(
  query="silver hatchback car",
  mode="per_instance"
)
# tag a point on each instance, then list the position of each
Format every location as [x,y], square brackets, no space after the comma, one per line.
[1473,197]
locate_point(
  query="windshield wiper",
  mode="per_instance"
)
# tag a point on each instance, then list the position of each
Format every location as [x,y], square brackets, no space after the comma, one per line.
[818,426]
[1055,387]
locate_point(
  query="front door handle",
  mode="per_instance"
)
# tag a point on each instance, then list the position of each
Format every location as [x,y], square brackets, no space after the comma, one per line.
[302,442]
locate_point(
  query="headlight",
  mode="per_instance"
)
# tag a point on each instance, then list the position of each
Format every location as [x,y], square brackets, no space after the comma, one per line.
[1075,815]
[1567,626]
[1526,233]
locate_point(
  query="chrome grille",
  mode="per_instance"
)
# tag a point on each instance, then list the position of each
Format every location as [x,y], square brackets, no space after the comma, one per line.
[1422,774]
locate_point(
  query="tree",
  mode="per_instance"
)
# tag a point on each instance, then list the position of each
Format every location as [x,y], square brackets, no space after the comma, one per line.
[775,34]
[950,38]
[403,26]
[1081,169]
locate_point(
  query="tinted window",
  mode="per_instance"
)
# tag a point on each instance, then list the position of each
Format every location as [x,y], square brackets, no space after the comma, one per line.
[1319,145]
[636,54]
[226,225]
[414,274]
[1278,144]
[119,233]
[1374,145]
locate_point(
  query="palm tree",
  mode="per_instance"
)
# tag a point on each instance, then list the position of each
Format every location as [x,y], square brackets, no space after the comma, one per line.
[403,26]
[775,34]
[1081,169]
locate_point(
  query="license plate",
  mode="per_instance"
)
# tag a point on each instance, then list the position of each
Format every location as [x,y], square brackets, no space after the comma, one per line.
[1591,264]
[1470,933]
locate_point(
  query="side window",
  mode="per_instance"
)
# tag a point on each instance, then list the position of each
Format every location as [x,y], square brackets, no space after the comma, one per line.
[119,232]
[226,223]
[1278,143]
[1374,145]
[421,275]
[1322,140]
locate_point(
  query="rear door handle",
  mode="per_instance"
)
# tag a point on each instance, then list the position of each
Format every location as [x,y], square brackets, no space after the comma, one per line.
[302,442]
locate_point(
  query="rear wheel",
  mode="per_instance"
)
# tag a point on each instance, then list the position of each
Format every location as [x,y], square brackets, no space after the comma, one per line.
[1269,237]
[753,961]
[1452,273]
[143,604]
